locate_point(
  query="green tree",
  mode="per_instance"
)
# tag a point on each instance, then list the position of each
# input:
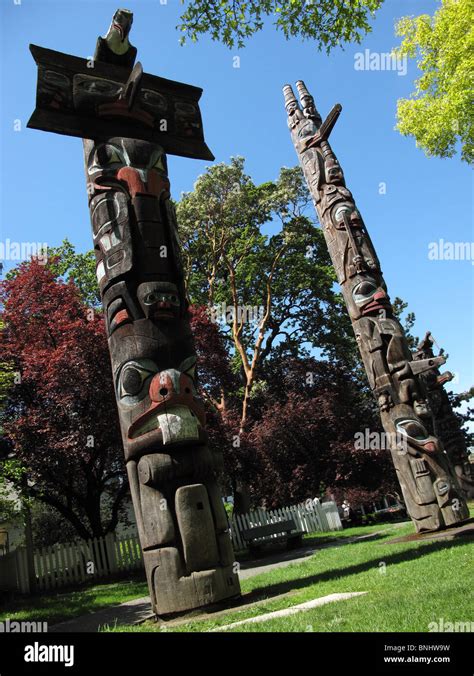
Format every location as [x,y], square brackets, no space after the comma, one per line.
[65,262]
[277,288]
[407,321]
[7,377]
[49,526]
[466,415]
[69,265]
[328,23]
[14,504]
[8,506]
[439,113]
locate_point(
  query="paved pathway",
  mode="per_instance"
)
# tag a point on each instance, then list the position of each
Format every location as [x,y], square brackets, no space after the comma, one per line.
[130,612]
[138,610]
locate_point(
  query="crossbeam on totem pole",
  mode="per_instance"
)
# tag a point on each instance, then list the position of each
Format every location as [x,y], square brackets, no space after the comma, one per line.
[129,120]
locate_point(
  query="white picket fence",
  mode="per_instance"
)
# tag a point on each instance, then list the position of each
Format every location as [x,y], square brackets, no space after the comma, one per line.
[310,516]
[72,563]
[68,564]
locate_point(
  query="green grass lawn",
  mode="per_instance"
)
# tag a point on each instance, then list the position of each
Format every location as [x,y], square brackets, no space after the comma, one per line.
[53,608]
[65,605]
[409,585]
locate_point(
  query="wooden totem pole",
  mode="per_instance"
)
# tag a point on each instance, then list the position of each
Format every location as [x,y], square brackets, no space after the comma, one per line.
[430,488]
[128,120]
[446,425]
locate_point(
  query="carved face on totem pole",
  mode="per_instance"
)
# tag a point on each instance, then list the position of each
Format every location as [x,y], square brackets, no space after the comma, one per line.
[429,486]
[140,276]
[367,296]
[129,119]
[180,517]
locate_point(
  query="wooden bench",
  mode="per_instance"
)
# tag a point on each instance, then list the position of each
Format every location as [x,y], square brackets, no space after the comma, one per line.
[284,528]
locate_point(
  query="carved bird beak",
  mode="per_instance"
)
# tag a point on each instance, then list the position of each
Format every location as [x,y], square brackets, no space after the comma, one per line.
[122,22]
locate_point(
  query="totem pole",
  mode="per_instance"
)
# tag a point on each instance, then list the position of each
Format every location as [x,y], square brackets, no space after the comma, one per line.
[429,485]
[446,424]
[128,120]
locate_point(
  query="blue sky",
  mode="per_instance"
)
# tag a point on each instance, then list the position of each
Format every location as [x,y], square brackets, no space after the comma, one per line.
[43,195]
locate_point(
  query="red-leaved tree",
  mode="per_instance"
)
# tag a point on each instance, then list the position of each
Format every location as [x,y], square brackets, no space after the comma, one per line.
[61,417]
[304,439]
[300,442]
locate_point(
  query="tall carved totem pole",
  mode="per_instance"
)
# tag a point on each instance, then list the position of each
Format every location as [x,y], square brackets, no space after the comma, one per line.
[446,425]
[430,488]
[128,120]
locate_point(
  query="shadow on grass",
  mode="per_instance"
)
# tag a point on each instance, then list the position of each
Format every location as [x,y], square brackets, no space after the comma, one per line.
[271,591]
[326,576]
[344,539]
[310,547]
[66,603]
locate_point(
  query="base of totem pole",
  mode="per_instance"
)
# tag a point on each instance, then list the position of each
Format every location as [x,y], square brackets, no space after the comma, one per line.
[466,530]
[202,611]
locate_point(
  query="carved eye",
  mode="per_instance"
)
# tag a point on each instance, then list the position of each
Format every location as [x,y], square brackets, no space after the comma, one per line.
[307,129]
[155,296]
[108,155]
[56,79]
[133,380]
[412,428]
[159,164]
[150,298]
[154,99]
[97,87]
[105,156]
[364,290]
[184,108]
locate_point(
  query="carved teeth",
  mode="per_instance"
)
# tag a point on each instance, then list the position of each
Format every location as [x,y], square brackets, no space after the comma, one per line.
[178,423]
[147,426]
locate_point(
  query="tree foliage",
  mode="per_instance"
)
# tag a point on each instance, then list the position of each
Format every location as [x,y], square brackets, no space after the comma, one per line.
[49,527]
[61,416]
[328,23]
[244,245]
[407,320]
[65,262]
[278,288]
[305,438]
[465,416]
[218,384]
[439,113]
[300,441]
[7,377]
[9,509]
